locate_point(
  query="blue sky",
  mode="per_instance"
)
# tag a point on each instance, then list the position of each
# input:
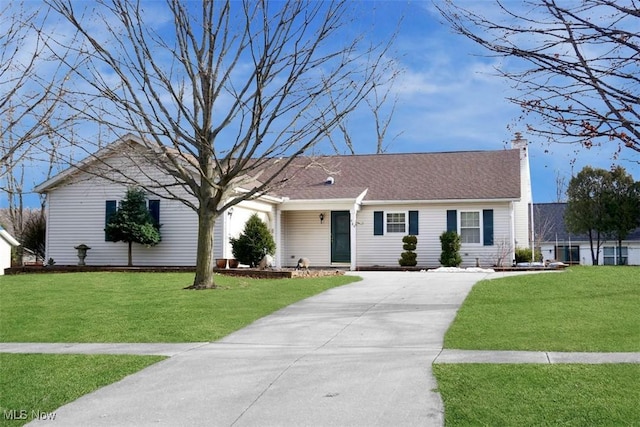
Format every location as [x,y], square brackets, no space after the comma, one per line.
[449,99]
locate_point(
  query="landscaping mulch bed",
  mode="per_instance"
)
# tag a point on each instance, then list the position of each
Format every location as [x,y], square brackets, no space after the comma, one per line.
[245,272]
[284,273]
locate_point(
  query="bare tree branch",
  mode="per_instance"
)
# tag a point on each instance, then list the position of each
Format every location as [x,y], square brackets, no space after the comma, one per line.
[219,92]
[29,96]
[580,65]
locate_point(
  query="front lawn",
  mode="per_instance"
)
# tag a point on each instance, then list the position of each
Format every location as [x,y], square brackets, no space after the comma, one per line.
[592,309]
[539,395]
[34,385]
[141,307]
[118,307]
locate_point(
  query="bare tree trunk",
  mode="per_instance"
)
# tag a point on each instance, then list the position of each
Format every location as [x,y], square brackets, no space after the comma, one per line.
[620,252]
[204,258]
[129,257]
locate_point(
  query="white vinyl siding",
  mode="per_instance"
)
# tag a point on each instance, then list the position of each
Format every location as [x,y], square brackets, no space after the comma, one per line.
[236,222]
[5,254]
[303,235]
[76,214]
[384,250]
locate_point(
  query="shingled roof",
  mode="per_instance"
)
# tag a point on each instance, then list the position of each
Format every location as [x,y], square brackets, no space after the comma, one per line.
[467,175]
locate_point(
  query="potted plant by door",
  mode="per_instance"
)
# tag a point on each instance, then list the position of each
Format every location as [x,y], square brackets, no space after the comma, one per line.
[233,263]
[221,262]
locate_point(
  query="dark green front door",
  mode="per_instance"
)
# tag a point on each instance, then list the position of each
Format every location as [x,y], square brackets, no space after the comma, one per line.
[340,236]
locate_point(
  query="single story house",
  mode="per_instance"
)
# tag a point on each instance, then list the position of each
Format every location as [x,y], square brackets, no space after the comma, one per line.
[338,211]
[555,242]
[7,242]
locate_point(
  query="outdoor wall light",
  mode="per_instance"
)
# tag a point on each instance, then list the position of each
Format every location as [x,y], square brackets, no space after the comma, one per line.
[230,212]
[321,216]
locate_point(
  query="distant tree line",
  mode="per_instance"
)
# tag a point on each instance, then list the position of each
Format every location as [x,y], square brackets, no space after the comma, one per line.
[603,204]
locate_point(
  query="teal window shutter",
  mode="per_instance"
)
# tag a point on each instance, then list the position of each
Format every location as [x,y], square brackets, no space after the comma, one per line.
[452,220]
[378,224]
[487,227]
[413,223]
[110,208]
[154,210]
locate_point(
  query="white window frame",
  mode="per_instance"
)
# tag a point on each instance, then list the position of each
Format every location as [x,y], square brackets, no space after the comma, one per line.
[625,254]
[479,227]
[386,222]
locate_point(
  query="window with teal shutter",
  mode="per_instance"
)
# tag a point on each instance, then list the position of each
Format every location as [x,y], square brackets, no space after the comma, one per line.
[413,223]
[452,220]
[487,227]
[378,223]
[110,208]
[154,210]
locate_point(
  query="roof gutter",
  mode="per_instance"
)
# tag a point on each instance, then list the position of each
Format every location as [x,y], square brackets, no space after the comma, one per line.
[9,238]
[438,201]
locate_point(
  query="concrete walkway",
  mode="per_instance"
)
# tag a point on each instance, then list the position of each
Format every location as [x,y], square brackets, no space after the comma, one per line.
[357,355]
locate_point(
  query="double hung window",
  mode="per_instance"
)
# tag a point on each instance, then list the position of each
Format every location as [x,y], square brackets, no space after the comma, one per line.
[396,222]
[470,227]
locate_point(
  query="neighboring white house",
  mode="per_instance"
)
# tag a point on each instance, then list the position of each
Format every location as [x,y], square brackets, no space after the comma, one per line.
[341,211]
[557,243]
[6,243]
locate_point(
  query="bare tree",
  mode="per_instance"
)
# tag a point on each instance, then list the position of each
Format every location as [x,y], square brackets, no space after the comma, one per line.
[31,85]
[544,228]
[503,249]
[220,89]
[561,187]
[580,73]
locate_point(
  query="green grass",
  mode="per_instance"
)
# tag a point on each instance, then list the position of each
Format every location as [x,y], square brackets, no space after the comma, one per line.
[539,395]
[582,309]
[593,309]
[140,307]
[39,383]
[118,307]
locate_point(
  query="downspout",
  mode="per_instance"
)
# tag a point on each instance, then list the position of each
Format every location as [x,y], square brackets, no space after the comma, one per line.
[47,229]
[532,244]
[357,205]
[278,234]
[513,233]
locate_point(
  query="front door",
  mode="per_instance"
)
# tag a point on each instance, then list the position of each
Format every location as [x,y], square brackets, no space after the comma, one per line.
[340,236]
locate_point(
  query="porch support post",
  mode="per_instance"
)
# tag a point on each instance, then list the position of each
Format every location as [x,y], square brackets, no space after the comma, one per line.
[353,216]
[226,225]
[278,236]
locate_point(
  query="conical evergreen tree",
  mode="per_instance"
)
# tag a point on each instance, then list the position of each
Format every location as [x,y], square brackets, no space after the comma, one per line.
[254,243]
[133,223]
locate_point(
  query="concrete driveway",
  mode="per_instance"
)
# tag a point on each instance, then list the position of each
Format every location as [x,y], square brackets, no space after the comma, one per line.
[357,355]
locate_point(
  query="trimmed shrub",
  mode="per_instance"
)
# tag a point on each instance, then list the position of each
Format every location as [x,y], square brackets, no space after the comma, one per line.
[524,255]
[254,243]
[409,257]
[450,243]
